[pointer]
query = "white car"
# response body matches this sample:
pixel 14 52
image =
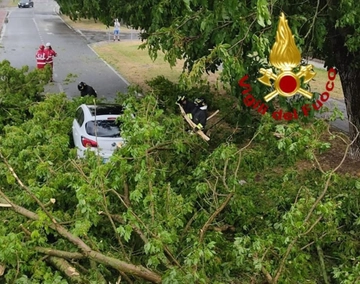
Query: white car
pixel 95 128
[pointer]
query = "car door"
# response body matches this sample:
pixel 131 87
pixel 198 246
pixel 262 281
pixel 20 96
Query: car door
pixel 76 127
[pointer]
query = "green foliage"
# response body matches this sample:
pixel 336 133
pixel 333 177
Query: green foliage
pixel 229 111
pixel 236 37
pixel 19 90
pixel 168 92
pixel 194 30
pixel 168 202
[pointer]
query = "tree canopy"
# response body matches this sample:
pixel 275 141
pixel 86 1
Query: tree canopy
pixel 168 208
pixel 256 206
pixel 239 35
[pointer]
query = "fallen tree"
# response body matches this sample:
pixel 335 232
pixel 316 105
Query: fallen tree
pixel 86 250
pixel 169 208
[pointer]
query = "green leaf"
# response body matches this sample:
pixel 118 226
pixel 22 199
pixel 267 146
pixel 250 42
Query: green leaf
pixel 357 184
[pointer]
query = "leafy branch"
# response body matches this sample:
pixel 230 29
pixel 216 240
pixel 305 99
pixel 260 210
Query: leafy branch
pixel 119 265
pixel 310 213
pixel 140 233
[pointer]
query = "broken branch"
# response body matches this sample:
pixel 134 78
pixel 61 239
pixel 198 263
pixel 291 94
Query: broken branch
pixel 28 191
pixel 60 253
pixel 213 216
pixel 136 270
pixel 65 267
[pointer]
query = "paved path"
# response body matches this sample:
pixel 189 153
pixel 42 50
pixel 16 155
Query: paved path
pixel 76 61
pixel 94 36
pixel 3 14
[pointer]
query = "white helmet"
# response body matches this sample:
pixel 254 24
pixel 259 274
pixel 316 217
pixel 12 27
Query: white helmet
pixel 48 44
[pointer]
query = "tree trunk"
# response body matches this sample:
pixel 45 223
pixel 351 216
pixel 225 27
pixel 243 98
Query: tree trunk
pixel 345 61
pixel 350 82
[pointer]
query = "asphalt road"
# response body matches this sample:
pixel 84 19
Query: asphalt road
pixel 29 27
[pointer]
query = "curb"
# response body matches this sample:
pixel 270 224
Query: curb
pixel 90 46
pixel 59 15
pixel 112 68
pixel 315 60
pixel 138 95
pixel 109 32
pixel 80 33
pixel 3 23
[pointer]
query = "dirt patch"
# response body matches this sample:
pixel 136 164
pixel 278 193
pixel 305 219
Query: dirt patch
pixel 330 159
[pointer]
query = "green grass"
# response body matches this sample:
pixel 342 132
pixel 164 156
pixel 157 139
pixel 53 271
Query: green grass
pixel 12 3
pixel 135 65
pixel 320 80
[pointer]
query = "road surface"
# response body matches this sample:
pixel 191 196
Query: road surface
pixel 29 27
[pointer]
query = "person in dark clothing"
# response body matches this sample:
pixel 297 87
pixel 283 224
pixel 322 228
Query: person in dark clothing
pixel 86 90
pixel 187 105
pixel 199 115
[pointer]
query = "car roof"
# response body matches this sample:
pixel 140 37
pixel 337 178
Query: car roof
pixel 105 109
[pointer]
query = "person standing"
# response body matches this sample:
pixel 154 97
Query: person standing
pixel 40 57
pixel 50 54
pixel 116 30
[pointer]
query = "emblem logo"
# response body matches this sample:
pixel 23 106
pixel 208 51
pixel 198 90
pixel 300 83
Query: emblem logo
pixel 285 56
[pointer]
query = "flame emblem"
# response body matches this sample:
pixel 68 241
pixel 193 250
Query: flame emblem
pixel 285 56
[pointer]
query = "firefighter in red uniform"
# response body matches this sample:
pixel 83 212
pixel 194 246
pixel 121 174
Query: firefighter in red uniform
pixel 41 57
pixel 50 54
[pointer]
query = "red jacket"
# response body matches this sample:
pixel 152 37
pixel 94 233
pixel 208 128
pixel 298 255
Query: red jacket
pixel 40 58
pixel 50 54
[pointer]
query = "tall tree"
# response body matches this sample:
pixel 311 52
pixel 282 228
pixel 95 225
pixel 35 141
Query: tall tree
pixel 207 33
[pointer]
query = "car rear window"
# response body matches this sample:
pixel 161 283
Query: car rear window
pixel 103 128
pixel 106 109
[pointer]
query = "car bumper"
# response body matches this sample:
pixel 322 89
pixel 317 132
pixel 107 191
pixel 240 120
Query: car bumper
pixel 105 155
pixel 24 6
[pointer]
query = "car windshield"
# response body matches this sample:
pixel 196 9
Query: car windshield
pixel 103 128
pixel 24 1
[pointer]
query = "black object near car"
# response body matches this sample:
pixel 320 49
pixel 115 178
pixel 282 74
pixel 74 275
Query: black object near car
pixel 26 4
